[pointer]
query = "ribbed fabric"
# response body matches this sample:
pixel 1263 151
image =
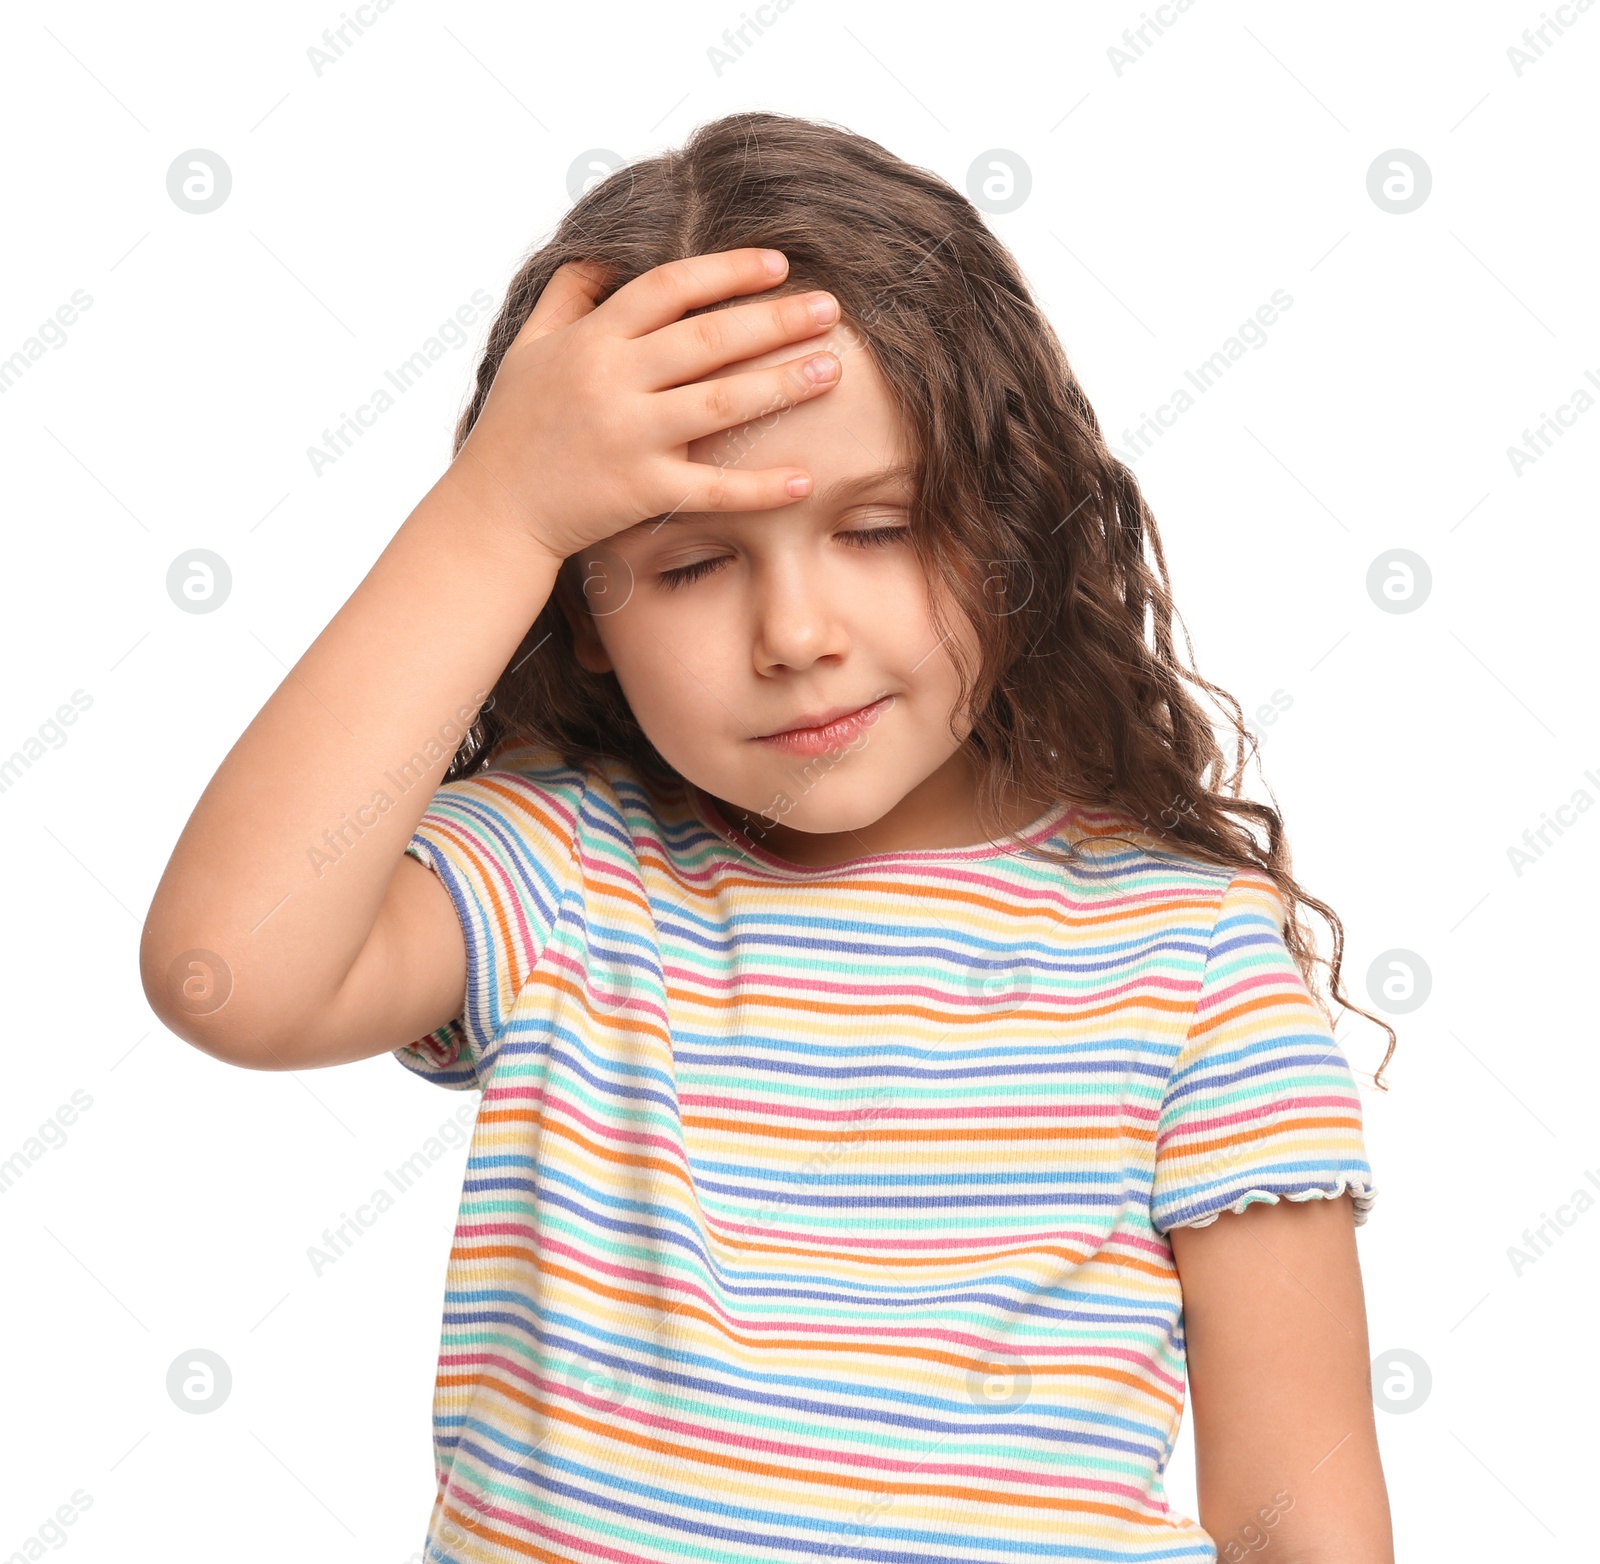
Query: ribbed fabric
pixel 817 1214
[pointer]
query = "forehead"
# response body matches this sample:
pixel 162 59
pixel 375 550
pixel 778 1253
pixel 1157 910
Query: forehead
pixel 893 484
pixel 850 432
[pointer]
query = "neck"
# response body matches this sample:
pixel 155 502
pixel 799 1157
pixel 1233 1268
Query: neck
pixel 941 811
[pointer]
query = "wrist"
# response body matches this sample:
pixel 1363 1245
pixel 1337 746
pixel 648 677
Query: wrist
pixel 471 487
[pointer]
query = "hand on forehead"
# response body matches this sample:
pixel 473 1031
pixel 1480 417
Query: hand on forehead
pixel 842 339
pixel 856 425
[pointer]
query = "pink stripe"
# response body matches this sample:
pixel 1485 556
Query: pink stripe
pixel 817 1455
pixel 1038 1352
pixel 753 1106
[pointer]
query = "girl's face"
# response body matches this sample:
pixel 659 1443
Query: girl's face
pixel 726 628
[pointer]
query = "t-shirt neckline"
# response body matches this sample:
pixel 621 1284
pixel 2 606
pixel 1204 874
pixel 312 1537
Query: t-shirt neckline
pixel 730 836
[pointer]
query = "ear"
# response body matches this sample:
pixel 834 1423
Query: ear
pixel 587 646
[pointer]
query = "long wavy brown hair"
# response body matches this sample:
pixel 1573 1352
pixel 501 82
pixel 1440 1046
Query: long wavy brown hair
pixel 1039 533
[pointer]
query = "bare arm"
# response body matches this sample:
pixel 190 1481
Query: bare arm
pixel 1286 1449
pixel 286 861
pixel 289 929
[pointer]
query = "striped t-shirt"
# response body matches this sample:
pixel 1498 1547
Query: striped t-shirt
pixel 817 1215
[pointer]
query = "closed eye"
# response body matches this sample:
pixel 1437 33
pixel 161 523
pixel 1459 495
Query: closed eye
pixel 858 537
pixel 865 537
pixel 684 574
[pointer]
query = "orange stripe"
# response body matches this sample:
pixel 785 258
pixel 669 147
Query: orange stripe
pixel 518 803
pixel 638 1024
pixel 788 1133
pixel 671 1169
pixel 748 1128
pixel 899 1350
pixel 1203 901
pixel 1290 997
pixel 1012 1251
pixel 1056 1015
pixel 667 1167
pixel 852 1008
pixel 1192 1148
pixel 831 1479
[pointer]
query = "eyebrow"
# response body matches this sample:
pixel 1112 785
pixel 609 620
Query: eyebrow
pixel 896 479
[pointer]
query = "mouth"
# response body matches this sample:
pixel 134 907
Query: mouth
pixel 818 732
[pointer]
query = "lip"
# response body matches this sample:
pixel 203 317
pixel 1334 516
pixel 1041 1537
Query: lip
pixel 819 732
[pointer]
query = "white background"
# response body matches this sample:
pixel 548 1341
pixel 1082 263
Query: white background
pixel 1167 203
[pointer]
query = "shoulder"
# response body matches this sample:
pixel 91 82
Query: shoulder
pixel 539 764
pixel 523 789
pixel 1147 872
pixel 608 803
pixel 1198 921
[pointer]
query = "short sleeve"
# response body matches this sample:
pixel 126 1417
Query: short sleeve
pixel 1261 1104
pixel 504 844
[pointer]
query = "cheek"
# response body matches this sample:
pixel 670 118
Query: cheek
pixel 958 646
pixel 669 661
pixel 888 600
pixel 910 613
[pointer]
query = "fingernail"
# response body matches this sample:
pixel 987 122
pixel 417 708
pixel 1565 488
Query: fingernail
pixel 823 367
pixel 775 262
pixel 798 487
pixel 824 309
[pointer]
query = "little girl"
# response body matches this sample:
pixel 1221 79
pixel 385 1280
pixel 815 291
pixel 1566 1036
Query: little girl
pixel 898 1058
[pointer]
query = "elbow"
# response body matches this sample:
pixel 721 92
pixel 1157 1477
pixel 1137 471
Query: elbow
pixel 193 995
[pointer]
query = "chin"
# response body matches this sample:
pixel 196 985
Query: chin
pixel 825 805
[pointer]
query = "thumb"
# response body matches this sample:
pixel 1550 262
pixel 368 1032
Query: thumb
pixel 567 297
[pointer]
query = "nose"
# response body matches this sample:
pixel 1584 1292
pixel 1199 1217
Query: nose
pixel 799 616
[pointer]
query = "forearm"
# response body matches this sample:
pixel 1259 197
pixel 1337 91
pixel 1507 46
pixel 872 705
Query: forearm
pixel 285 860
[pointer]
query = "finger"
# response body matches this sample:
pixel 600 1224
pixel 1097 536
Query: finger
pixel 662 294
pixel 568 296
pixel 709 407
pixel 703 487
pixel 689 350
